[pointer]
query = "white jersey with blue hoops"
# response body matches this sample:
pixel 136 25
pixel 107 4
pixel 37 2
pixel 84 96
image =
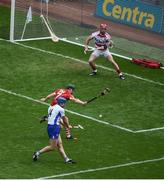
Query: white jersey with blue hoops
pixel 54 114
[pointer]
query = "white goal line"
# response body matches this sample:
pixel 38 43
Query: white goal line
pixel 78 44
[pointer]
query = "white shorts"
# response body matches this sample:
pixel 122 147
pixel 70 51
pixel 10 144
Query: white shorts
pixel 104 53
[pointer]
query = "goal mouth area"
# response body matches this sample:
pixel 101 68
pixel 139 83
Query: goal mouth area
pixel 29 20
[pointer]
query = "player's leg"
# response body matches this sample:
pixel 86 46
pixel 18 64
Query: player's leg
pixel 62 152
pixel 109 57
pixel 51 147
pixel 53 133
pixel 67 130
pixel 91 62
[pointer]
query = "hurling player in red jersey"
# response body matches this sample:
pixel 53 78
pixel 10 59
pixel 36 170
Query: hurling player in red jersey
pixel 66 93
pixel 102 42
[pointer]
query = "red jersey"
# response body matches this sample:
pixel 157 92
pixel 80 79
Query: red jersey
pixel 65 93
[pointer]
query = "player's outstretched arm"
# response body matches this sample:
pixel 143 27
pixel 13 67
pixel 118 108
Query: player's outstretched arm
pixel 78 101
pixel 47 97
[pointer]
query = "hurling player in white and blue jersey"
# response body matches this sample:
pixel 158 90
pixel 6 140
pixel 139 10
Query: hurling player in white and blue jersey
pixel 102 42
pixel 56 113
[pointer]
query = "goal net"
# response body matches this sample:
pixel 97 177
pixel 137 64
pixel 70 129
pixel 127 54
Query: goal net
pixel 40 19
pixel 29 20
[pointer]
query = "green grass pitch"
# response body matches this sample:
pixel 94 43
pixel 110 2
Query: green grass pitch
pixel 128 145
pixel 133 104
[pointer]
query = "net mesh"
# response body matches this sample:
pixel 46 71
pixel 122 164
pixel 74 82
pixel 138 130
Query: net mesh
pixel 69 19
pixel 35 28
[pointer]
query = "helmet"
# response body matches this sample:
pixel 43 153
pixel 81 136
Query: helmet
pixel 61 100
pixel 71 86
pixel 103 26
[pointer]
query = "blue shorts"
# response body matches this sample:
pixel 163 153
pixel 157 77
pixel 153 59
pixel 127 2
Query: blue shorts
pixel 53 131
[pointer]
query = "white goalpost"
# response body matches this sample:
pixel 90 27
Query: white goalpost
pixel 46 19
pixel 50 29
pixel 30 20
pixel 12 20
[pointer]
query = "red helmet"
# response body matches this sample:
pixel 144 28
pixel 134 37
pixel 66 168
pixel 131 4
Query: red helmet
pixel 103 26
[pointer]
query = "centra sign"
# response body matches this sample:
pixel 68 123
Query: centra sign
pixel 131 12
pixel 134 15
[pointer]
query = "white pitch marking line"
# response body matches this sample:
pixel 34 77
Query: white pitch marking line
pixel 72 112
pixel 78 60
pixel 104 168
pixel 148 130
pixel 82 115
pixel 102 122
pixel 85 116
pixel 103 67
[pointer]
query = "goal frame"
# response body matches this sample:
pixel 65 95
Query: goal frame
pixel 12 26
pixel 12 18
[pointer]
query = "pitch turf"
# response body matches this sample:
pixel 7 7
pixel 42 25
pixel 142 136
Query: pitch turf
pixel 117 149
pixel 133 105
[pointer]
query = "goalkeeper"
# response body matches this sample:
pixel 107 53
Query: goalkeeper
pixel 102 41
